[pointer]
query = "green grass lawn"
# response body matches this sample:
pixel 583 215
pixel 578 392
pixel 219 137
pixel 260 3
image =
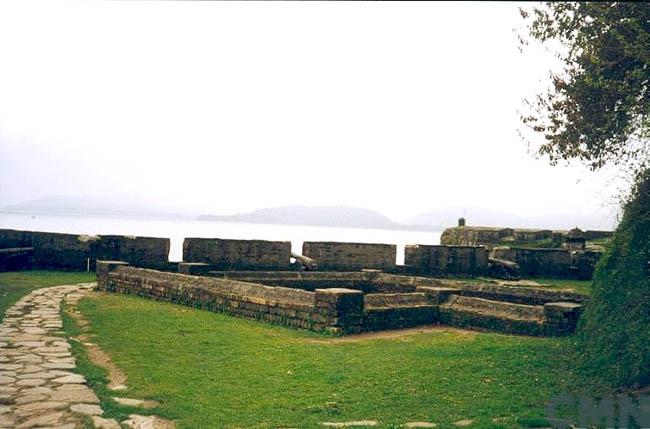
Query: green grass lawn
pixel 578 286
pixel 212 370
pixel 14 285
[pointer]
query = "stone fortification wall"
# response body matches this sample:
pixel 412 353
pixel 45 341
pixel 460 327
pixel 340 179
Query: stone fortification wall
pixel 79 252
pixel 336 310
pixel 441 260
pixel 474 236
pixel 350 256
pixel 61 251
pixel 596 235
pixel 494 236
pixel 520 310
pixel 147 252
pixel 538 262
pixel 238 254
pixel 13 238
pixel 490 236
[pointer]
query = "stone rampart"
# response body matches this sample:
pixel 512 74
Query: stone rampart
pixel 442 260
pixel 336 310
pixel 473 236
pixel 238 254
pixel 350 256
pixel 537 262
pixel 79 252
pixel 146 252
pixel 521 310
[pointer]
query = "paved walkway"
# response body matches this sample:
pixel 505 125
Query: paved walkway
pixel 38 383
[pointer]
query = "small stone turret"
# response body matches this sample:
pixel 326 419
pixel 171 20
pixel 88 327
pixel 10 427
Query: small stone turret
pixel 575 240
pixel 461 221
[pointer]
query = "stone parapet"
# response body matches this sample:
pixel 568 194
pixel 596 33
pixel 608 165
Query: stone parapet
pixel 350 256
pixel 446 260
pixel 238 254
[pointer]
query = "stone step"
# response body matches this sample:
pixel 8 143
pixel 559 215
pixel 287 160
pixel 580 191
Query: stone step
pixel 485 314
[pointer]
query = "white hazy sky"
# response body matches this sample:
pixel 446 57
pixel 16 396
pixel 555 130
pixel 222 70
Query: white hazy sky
pixel 227 107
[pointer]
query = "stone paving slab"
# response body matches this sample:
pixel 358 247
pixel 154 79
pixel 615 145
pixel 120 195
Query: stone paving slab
pixel 39 386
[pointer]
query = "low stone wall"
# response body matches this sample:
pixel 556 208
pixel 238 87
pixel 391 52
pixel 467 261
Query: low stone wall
pixel 537 262
pixel 367 282
pixel 336 310
pixel 529 311
pixel 386 285
pixel 583 263
pixel 442 260
pixel 238 254
pixel 516 294
pixel 79 252
pixel 350 256
pixel 596 235
pixel 15 258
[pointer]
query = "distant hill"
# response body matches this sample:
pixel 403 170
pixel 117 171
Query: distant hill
pixel 476 216
pixel 83 205
pixel 335 216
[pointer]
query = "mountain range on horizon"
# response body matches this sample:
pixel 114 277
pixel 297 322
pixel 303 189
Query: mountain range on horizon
pixel 333 216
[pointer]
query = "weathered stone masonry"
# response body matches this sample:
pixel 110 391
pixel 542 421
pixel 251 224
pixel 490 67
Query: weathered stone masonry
pixel 337 309
pixel 79 252
pixel 238 254
pixel 395 301
pixel 440 260
pixel 350 256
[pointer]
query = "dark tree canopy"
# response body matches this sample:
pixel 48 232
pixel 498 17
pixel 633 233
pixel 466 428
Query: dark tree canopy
pixel 597 109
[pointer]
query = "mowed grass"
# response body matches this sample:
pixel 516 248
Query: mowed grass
pixel 14 285
pixel 211 370
pixel 579 286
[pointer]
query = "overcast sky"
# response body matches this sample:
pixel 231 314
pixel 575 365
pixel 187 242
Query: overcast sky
pixel 230 106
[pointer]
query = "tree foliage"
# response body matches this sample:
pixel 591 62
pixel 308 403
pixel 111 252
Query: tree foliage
pixel 598 106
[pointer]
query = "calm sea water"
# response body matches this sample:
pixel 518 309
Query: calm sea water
pixel 176 231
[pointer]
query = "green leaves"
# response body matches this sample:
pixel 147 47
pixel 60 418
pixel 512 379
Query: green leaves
pixel 597 109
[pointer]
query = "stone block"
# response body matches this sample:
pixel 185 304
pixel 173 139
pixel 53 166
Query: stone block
pixel 437 295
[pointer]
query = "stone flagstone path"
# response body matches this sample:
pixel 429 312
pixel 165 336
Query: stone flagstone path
pixel 38 383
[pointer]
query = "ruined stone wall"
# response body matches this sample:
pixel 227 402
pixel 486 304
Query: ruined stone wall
pixel 13 238
pixel 531 234
pixel 79 252
pixel 490 236
pixel 350 256
pixel 537 262
pixel 442 260
pixel 595 235
pixel 345 311
pixel 238 254
pixel 474 236
pixel 311 280
pixel 60 251
pixel 147 252
pixel 336 310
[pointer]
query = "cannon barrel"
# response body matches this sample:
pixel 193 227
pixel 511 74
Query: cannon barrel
pixel 308 264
